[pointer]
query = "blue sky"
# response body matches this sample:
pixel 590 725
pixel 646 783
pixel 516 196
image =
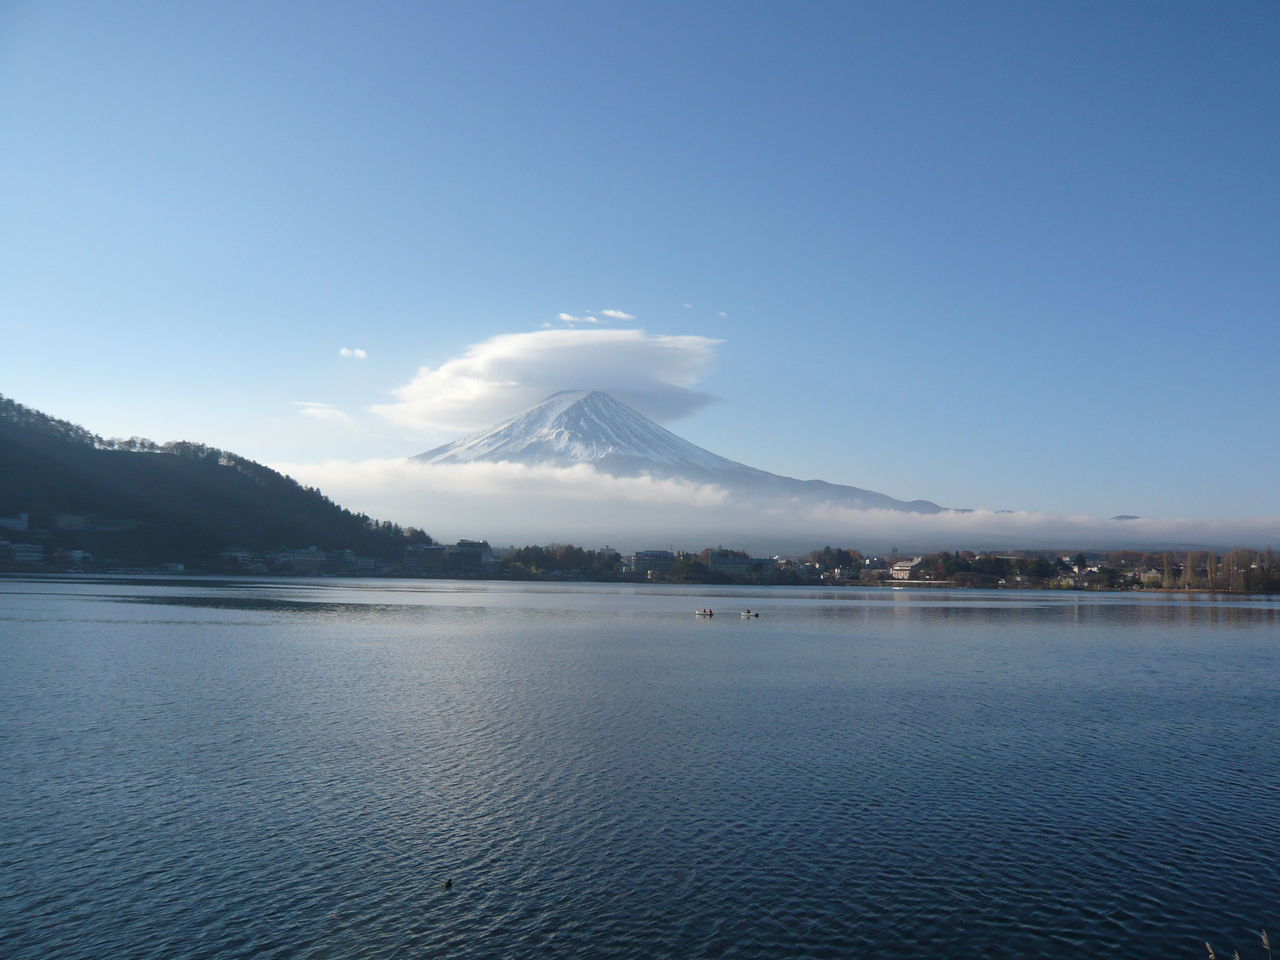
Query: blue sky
pixel 1016 255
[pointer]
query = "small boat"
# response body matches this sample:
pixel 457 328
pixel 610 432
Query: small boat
pixel 747 614
pixel 704 613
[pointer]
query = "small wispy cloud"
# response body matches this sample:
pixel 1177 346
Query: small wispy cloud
pixel 722 315
pixel 323 411
pixel 687 306
pixel 570 319
pixel 617 315
pixel 353 352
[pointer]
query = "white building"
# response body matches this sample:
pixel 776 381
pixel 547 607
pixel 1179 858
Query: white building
pixel 905 569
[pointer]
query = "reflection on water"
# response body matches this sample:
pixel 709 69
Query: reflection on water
pixel 241 768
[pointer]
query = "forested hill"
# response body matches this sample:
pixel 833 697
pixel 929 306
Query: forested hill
pixel 149 502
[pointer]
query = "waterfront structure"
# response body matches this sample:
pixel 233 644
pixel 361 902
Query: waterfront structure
pixel 904 569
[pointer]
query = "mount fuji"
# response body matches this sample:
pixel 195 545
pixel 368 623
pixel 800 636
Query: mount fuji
pixel 579 426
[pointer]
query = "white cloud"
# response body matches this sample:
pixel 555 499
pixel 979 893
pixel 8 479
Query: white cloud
pixel 511 503
pixel 514 503
pixel 616 315
pixel 323 411
pixel 570 319
pixel 506 374
pixel 501 480
pixel 355 352
pixel 687 306
pixel 722 315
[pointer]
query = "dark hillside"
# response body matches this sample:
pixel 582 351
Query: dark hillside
pixel 142 501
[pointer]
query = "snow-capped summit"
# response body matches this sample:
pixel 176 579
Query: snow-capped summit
pixel 581 426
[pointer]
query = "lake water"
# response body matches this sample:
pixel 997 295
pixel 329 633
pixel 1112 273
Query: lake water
pixel 293 768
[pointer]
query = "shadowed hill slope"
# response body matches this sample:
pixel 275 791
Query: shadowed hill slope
pixel 149 501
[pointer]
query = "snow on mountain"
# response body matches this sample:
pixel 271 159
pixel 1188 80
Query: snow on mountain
pixel 579 426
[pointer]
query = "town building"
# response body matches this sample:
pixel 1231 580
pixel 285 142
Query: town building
pixel 653 563
pixel 23 554
pixel 723 562
pixel 905 569
pixel 469 558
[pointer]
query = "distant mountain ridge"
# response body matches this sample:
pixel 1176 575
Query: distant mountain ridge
pixel 592 427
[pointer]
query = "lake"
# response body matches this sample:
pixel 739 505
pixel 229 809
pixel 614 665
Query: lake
pixel 195 768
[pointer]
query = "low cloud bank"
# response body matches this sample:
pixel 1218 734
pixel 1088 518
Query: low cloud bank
pixel 511 503
pixel 507 374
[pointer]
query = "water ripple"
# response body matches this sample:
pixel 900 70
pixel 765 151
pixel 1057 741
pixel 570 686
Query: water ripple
pixel 276 770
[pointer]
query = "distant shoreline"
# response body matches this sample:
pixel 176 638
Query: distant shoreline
pixel 203 575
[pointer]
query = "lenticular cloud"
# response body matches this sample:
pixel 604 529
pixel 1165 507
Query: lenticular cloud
pixel 509 373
